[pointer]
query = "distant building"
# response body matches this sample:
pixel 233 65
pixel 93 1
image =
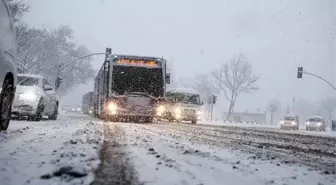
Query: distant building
pixel 247 117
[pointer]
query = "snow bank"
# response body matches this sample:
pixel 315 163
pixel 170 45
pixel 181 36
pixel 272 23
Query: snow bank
pixel 59 152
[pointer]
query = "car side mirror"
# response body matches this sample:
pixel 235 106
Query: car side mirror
pixel 48 88
pixel 168 78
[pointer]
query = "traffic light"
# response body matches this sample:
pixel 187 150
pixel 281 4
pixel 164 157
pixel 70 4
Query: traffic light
pixel 300 70
pixel 58 82
pixel 108 52
pixel 214 99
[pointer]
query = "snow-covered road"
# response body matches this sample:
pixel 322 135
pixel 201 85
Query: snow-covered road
pixel 50 152
pixel 67 152
pixel 193 154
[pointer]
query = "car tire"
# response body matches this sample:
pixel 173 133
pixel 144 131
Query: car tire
pixel 6 101
pixel 55 113
pixel 149 120
pixel 39 112
pixel 193 121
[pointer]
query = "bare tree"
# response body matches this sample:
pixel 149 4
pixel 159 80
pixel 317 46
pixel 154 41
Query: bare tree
pixel 329 106
pixel 272 107
pixel 235 78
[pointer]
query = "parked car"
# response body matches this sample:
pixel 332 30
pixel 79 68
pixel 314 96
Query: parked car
pixel 8 69
pixel 290 122
pixel 316 123
pixel 34 98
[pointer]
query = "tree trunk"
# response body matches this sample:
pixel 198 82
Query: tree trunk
pixel 230 111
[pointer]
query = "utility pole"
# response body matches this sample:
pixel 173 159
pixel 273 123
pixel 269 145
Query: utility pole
pixel 293 110
pixel 213 101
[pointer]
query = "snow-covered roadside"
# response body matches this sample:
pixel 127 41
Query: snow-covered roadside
pixel 166 157
pixel 61 152
pixel 276 128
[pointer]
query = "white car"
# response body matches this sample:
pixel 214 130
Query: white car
pixel 34 98
pixel 316 123
pixel 8 67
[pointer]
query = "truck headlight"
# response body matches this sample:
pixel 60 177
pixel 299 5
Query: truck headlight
pixel 30 96
pixel 293 123
pixel 319 124
pixel 199 113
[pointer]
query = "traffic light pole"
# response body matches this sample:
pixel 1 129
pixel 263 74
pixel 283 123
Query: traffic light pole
pixel 60 67
pixel 304 72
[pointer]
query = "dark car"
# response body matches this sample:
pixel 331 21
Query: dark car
pixel 8 69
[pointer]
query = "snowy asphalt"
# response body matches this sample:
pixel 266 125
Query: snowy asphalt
pixel 67 151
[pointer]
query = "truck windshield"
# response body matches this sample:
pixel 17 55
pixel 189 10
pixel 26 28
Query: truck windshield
pixel 185 98
pixel 138 79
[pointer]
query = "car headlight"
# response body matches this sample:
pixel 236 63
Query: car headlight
pixel 319 124
pixel 307 122
pixel 199 112
pixel 160 109
pixel 112 106
pixel 282 122
pixel 178 110
pixel 30 96
pixel 293 123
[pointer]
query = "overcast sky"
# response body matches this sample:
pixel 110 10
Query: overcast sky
pixel 276 36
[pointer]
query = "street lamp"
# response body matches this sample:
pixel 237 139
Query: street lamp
pixel 59 79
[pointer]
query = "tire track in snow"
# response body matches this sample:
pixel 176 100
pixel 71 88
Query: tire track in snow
pixel 115 166
pixel 248 141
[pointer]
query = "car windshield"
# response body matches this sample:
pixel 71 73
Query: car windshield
pixel 26 81
pixel 288 118
pixel 315 119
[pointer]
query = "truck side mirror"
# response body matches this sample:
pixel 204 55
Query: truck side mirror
pixel 168 78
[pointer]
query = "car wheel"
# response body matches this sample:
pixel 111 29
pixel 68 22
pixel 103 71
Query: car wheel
pixel 55 113
pixel 149 120
pixel 39 112
pixel 193 121
pixel 6 100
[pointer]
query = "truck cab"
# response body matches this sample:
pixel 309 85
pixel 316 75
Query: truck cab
pixel 182 105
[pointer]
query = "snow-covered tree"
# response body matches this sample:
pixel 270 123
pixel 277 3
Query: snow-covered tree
pixel 43 51
pixel 18 8
pixel 235 78
pixel 273 106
